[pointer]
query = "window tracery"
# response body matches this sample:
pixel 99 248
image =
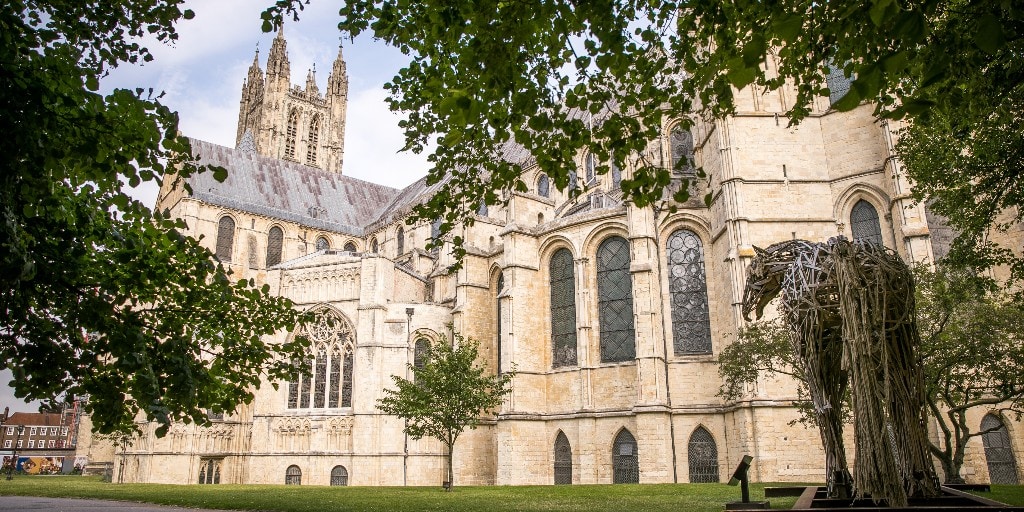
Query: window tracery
pixel 563 460
pixel 687 282
pixel 322 244
pixel 702 454
pixel 625 462
pixel 327 378
pixel 681 143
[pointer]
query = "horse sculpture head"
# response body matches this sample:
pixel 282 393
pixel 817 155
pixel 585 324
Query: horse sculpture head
pixel 763 283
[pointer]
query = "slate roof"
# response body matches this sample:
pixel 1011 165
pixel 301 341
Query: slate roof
pixel 35 419
pixel 288 190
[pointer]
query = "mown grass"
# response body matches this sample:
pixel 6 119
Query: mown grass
pixel 1009 494
pixel 611 498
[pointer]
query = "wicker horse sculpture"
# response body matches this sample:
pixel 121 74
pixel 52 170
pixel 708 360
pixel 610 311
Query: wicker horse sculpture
pixel 850 309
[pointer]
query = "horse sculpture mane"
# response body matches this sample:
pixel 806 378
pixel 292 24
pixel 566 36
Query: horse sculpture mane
pixel 850 308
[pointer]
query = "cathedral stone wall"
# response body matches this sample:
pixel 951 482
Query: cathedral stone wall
pixel 768 182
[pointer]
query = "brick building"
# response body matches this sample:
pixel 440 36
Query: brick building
pixel 44 442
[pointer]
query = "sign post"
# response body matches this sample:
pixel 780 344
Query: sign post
pixel 740 477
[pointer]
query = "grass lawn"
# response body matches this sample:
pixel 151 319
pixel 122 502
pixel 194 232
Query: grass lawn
pixel 643 498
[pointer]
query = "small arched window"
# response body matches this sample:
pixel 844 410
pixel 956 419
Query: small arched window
pixel 543 186
pixel 400 240
pixel 290 134
pixel 687 283
pixel 573 181
pixel 625 462
pixel 313 141
pixel 702 453
pixel 615 301
pixel 339 476
pixel 589 166
pixel 420 353
pixel 209 471
pixel 275 241
pixel 563 460
pixel 293 475
pixel 864 223
pixel 350 247
pixel 1002 465
pixel 322 244
pixel 373 245
pixel 563 309
pixel 681 142
pixel 616 176
pixel 481 209
pixel 225 238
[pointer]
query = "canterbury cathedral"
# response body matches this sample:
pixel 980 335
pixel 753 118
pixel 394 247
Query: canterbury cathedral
pixel 613 316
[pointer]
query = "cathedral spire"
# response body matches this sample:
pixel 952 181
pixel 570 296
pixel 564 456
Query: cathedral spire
pixel 278 70
pixel 311 89
pixel 337 81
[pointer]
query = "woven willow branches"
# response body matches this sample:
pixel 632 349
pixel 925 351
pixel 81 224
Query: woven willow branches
pixel 850 306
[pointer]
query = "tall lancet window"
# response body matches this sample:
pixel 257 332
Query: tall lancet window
pixel 563 309
pixel 687 283
pixel 290 134
pixel 313 141
pixel 275 240
pixel 615 301
pixel 225 238
pixel 864 223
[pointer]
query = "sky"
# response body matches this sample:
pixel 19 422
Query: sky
pixel 201 76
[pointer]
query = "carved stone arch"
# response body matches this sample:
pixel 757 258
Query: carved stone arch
pixel 598 235
pixel 684 220
pixel 849 197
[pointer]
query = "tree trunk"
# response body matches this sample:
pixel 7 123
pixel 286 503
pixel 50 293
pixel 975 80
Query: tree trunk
pixel 451 475
pixel 951 470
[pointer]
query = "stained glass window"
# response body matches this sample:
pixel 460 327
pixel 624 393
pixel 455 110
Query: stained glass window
pixel 322 244
pixel 702 453
pixel 293 476
pixel 400 240
pixel 681 142
pixel 346 380
pixel 563 460
pixel 687 283
pixel 307 380
pixel 1002 465
pixel 335 376
pixel 615 301
pixel 563 309
pixel 838 83
pixel 275 240
pixel 225 238
pixel 625 462
pixel 339 476
pixel 350 247
pixel 589 167
pixel 864 223
pixel 313 141
pixel 293 393
pixel 321 378
pixel 543 186
pixel 290 133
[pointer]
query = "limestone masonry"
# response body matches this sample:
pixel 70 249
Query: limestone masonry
pixel 613 315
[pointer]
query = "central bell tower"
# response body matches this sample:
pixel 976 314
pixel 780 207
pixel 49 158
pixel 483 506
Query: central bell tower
pixel 288 121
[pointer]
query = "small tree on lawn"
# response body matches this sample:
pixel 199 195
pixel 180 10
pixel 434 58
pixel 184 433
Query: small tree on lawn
pixel 971 349
pixel 448 393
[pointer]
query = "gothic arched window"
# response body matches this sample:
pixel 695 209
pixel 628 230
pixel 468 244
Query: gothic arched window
pixel 543 186
pixel 687 284
pixel 573 181
pixel 497 315
pixel 326 380
pixel 290 134
pixel 616 176
pixel 225 238
pixel 275 241
pixel 400 240
pixel 293 476
pixel 838 83
pixel 681 143
pixel 615 301
pixel 373 245
pixel 563 309
pixel 481 209
pixel 864 223
pixel 1002 465
pixel 420 353
pixel 339 476
pixel 702 453
pixel 589 167
pixel 563 460
pixel 313 140
pixel 625 462
pixel 349 247
pixel 322 244
pixel 209 471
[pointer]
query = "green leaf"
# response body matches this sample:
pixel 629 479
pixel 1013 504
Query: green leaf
pixel 788 28
pixel 989 34
pixel 880 11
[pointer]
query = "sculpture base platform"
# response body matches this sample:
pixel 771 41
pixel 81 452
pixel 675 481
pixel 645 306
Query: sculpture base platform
pixel 750 505
pixel 815 498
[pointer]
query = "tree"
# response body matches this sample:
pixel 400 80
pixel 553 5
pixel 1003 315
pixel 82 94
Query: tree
pixel 971 350
pixel 557 77
pixel 448 393
pixel 102 297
